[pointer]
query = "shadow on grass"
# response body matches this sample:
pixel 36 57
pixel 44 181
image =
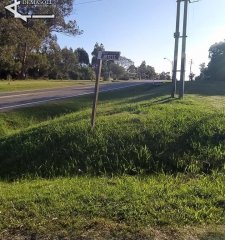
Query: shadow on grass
pixel 51 110
pixel 206 88
pixel 149 93
pixel 133 93
pixel 165 100
pixel 55 109
pixel 25 117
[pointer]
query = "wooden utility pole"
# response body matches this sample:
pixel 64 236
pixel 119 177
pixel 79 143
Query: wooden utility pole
pixel 95 101
pixel 183 55
pixel 176 36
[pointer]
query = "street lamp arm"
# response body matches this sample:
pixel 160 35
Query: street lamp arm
pixel 169 60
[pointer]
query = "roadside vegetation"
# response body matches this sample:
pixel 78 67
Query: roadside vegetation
pixel 138 131
pixel 153 167
pixel 24 85
pixel 150 207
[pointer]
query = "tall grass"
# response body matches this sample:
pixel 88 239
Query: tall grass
pixel 133 136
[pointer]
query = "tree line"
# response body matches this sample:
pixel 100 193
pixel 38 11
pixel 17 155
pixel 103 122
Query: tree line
pixel 125 69
pixel 215 70
pixel 30 49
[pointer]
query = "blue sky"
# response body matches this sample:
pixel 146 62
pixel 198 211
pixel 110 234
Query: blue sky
pixel 143 29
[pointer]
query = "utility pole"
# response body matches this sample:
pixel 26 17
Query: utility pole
pixel 176 36
pixel 183 55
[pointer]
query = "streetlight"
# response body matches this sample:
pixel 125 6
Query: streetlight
pixel 171 65
pixel 174 81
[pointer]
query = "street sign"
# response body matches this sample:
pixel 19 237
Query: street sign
pixel 102 55
pixel 109 55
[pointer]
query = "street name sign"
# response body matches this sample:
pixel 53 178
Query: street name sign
pixel 109 55
pixel 102 56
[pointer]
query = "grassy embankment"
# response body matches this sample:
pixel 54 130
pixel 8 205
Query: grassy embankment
pixel 140 132
pixel 19 85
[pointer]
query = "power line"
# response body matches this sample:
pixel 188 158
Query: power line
pixel 81 3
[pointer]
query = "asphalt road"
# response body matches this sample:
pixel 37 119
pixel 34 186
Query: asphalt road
pixel 21 99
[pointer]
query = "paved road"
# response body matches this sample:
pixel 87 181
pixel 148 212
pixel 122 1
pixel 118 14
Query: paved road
pixel 20 99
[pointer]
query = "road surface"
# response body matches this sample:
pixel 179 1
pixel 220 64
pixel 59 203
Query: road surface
pixel 21 99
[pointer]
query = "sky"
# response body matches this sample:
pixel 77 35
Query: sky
pixel 143 29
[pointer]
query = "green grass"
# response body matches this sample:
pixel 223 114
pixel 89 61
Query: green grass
pixel 152 169
pixel 19 85
pixel 113 208
pixel 139 131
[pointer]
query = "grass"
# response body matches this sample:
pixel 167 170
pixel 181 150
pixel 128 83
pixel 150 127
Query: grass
pixel 19 85
pixel 112 208
pixel 152 169
pixel 139 131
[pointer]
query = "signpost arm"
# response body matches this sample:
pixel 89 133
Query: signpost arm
pixel 94 108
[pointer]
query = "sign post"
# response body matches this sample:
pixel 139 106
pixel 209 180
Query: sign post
pixel 94 108
pixel 101 56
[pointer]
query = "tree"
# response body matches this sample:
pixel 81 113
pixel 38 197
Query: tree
pixel 142 70
pixel 133 72
pixel 54 55
pixel 116 70
pixel 124 62
pixel 202 67
pixel 22 39
pixel 146 71
pixel 86 73
pixel 82 55
pixel 39 65
pixel 164 76
pixel 150 72
pixel 94 62
pixel 191 76
pixel 216 69
pixel 203 72
pixel 97 49
pixel 69 64
pixel 63 63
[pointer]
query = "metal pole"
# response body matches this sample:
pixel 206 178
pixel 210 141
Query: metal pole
pixel 176 48
pixel 95 102
pixel 172 70
pixel 183 56
pixel 171 65
pixel 190 70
